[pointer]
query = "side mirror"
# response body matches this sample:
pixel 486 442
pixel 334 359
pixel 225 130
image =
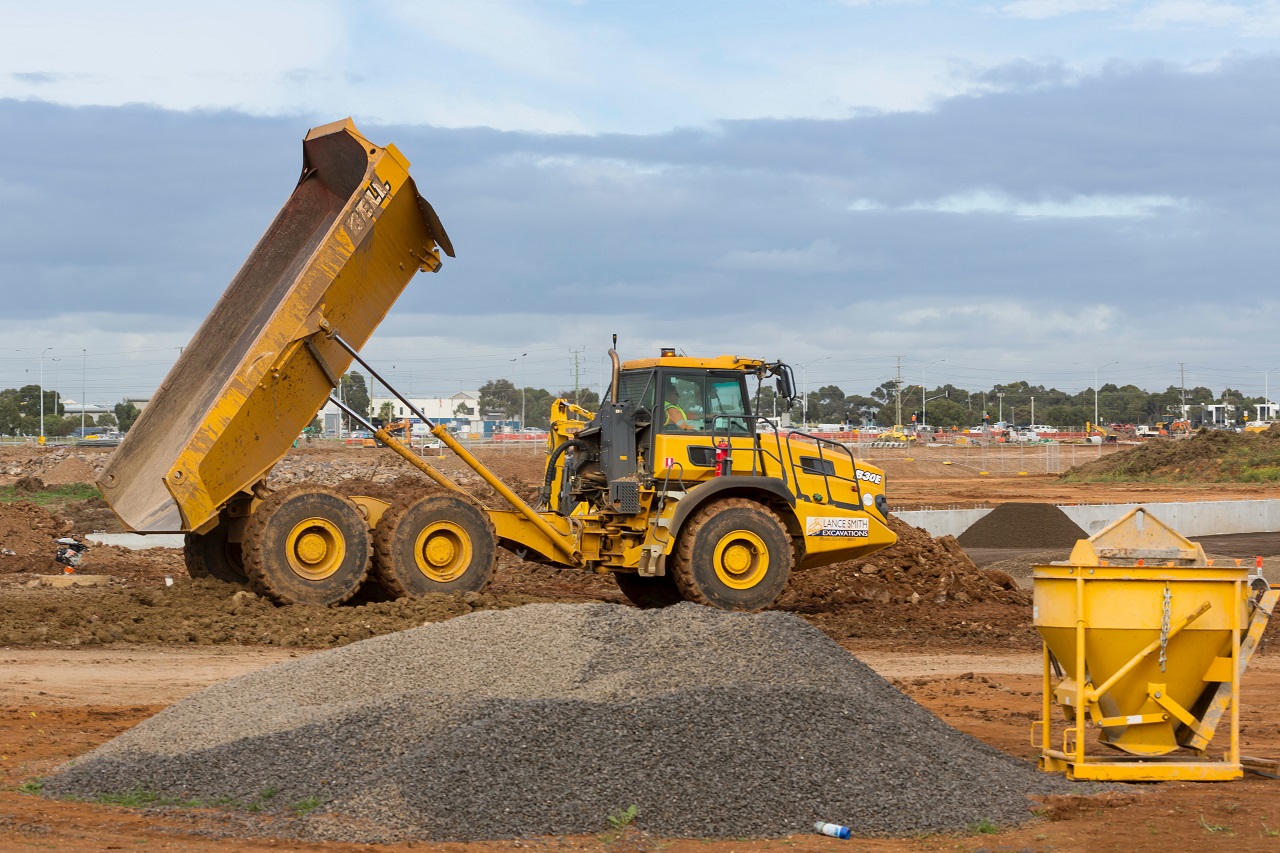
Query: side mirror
pixel 785 385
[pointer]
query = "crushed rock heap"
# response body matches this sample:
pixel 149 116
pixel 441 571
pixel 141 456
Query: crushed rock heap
pixel 546 719
pixel 1023 525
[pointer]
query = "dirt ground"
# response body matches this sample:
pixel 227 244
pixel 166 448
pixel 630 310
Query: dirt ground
pixel 972 659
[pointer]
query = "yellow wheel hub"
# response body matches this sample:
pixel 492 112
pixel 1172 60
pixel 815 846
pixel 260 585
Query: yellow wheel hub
pixel 443 551
pixel 315 548
pixel 741 559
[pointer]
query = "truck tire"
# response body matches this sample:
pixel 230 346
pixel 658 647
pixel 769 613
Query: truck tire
pixel 648 592
pixel 434 544
pixel 307 545
pixel 733 555
pixel 210 555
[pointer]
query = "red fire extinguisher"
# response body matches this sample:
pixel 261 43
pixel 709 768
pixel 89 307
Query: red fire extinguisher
pixel 722 458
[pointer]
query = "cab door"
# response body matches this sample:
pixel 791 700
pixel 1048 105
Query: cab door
pixel 698 410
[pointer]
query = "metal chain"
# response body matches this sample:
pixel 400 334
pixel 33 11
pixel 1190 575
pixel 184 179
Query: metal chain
pixel 1164 625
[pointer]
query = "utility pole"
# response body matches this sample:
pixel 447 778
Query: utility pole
pixel 577 397
pixel 1182 388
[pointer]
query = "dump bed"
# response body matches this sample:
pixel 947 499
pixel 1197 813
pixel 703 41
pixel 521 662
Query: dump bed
pixel 337 256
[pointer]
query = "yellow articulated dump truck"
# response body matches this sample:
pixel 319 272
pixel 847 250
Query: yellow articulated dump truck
pixel 674 486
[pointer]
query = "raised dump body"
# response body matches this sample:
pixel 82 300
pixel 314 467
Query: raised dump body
pixel 261 365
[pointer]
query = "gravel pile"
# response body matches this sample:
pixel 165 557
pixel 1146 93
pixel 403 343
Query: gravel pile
pixel 546 719
pixel 1023 525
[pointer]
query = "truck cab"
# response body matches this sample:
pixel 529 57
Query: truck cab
pixel 680 435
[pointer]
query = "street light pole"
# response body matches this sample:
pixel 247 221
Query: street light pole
pixel 84 363
pixel 1000 394
pixel 924 392
pixel 42 352
pixel 804 400
pixel 1095 389
pixel 520 357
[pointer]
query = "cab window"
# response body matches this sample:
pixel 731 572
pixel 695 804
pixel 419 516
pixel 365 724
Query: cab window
pixel 701 403
pixel 635 386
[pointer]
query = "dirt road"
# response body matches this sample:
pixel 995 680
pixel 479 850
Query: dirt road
pixel 95 694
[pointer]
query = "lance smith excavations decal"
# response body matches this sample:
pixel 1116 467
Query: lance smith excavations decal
pixel 854 527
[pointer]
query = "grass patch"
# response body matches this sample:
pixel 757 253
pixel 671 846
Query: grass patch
pixel 138 799
pixel 51 495
pixel 31 786
pixel 264 799
pixel 305 806
pixel 984 827
pixel 624 817
pixel 1214 828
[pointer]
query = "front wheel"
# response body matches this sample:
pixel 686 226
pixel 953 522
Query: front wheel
pixel 434 544
pixel 307 545
pixel 734 555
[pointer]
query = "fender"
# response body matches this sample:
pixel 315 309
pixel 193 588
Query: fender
pixel 711 489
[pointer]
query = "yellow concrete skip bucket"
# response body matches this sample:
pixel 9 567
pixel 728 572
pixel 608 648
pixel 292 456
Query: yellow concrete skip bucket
pixel 337 256
pixel 1144 645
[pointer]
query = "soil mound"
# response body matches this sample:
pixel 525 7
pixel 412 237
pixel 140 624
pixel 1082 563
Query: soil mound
pixel 544 720
pixel 27 532
pixel 1210 455
pixel 28 485
pixel 69 470
pixel 208 612
pixel 918 568
pixel 1023 525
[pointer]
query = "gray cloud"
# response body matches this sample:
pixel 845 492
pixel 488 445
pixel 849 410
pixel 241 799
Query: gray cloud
pixel 1128 211
pixel 37 77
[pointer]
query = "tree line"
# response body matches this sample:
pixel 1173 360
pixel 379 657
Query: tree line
pixel 20 414
pixel 946 405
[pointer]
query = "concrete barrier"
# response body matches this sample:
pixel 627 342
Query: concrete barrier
pixel 1190 518
pixel 942 522
pixel 138 542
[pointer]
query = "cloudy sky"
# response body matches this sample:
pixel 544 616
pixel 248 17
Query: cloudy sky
pixel 987 191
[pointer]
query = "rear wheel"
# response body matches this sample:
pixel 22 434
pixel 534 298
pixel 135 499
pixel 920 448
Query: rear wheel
pixel 734 555
pixel 307 545
pixel 434 544
pixel 210 555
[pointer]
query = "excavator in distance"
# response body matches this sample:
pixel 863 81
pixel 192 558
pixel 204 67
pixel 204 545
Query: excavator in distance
pixel 673 486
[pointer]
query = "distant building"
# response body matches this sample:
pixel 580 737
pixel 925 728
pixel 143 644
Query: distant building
pixel 71 407
pixel 460 411
pixel 1220 414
